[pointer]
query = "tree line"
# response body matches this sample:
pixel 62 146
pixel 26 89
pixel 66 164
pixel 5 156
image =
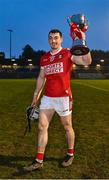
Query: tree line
pixel 29 53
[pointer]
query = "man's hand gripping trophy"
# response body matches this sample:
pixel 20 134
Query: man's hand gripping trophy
pixel 78 26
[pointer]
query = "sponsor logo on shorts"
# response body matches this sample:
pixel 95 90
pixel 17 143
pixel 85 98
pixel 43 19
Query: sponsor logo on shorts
pixel 65 110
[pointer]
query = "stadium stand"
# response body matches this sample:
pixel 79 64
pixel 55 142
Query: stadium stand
pixel 80 72
pixel 91 75
pixel 19 73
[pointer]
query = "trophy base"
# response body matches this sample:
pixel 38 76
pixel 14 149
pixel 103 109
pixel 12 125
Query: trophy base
pixel 79 50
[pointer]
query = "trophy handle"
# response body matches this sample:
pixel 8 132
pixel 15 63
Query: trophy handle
pixel 69 20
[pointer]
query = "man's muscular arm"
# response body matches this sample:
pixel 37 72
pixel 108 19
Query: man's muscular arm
pixel 82 60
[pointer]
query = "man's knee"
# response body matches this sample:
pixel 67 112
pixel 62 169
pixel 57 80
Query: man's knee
pixel 68 127
pixel 42 126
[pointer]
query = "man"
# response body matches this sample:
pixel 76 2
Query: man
pixel 55 70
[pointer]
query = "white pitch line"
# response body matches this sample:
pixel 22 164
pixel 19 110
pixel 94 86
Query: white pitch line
pixel 93 87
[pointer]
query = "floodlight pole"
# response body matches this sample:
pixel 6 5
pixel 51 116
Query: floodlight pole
pixel 10 47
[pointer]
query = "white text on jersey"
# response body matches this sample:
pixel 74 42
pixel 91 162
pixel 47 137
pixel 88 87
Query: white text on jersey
pixel 53 68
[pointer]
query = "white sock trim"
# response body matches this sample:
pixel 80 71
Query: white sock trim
pixel 38 160
pixel 70 154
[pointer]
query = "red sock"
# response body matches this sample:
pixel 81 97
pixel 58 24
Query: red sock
pixel 70 152
pixel 39 157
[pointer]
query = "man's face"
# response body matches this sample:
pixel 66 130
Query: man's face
pixel 55 40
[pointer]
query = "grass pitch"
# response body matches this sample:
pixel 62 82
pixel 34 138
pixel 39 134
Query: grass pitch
pixel 90 121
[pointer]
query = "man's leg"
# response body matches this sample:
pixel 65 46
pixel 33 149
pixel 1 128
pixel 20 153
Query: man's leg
pixel 70 136
pixel 44 120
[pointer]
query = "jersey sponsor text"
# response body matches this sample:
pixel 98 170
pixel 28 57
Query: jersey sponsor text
pixel 54 68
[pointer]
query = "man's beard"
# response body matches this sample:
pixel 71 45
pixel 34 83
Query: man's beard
pixel 55 48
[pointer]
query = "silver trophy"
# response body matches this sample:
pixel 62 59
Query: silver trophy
pixel 78 23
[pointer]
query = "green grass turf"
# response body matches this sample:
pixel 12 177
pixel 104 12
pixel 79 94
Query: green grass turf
pixel 90 121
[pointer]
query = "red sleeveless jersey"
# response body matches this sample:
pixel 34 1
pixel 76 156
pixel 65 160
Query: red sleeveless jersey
pixel 57 70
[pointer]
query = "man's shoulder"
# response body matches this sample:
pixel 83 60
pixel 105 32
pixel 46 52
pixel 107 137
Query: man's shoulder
pixel 66 50
pixel 46 54
pixel 44 58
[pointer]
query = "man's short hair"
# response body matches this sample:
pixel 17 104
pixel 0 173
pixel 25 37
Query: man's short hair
pixel 55 31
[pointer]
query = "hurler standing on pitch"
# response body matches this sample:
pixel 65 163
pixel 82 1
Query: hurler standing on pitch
pixel 55 71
